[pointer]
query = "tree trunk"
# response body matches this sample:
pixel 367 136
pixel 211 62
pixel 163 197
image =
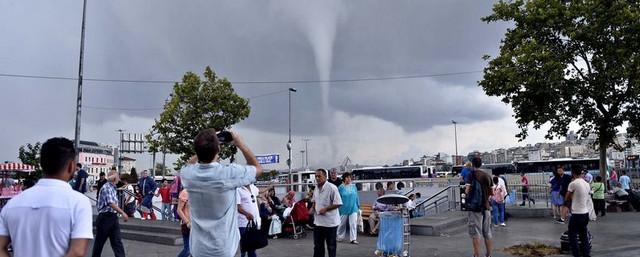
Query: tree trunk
pixel 603 161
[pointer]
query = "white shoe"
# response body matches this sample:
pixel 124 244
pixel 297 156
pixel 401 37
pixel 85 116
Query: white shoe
pixel 503 225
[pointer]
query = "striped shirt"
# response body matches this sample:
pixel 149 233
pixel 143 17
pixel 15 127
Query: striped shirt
pixel 107 196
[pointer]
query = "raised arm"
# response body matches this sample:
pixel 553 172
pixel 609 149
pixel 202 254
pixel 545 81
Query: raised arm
pixel 247 153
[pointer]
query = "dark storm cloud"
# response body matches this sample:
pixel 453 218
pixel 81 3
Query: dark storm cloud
pixel 244 41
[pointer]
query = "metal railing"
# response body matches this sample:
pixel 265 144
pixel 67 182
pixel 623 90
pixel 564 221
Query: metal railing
pixel 537 194
pixel 446 196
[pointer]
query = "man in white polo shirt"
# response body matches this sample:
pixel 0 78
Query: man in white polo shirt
pixel 326 198
pixel 49 219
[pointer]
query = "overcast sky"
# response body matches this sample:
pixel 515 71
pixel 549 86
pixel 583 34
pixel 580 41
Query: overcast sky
pixel 372 122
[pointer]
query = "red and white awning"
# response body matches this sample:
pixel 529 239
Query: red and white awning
pixel 16 167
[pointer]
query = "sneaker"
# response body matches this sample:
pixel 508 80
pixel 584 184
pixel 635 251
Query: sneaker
pixel 354 242
pixel 560 221
pixel 143 218
pixel 503 225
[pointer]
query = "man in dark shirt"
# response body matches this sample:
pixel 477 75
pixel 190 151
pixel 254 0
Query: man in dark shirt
pixel 562 180
pixel 480 222
pixel 81 179
pixel 334 179
pixel 101 183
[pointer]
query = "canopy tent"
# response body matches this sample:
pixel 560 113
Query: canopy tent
pixel 12 166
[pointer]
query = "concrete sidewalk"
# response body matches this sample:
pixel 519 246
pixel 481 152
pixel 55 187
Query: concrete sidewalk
pixel 615 235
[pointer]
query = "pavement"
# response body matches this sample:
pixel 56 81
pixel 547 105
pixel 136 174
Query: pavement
pixel 614 235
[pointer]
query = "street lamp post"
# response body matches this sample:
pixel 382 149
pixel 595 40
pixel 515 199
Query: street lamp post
pixel 455 135
pixel 79 98
pixel 306 151
pixel 289 143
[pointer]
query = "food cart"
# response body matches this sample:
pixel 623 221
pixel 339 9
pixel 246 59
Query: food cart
pixel 8 188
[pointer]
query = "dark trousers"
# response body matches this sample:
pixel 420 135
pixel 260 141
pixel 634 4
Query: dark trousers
pixel 578 228
pixel 599 206
pixel 107 226
pixel 322 235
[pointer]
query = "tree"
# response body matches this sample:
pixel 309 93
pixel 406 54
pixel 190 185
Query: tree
pixel 569 61
pixel 195 105
pixel 30 154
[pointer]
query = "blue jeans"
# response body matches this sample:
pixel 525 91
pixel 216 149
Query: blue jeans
pixel 497 212
pixel 251 253
pixel 166 211
pixel 185 250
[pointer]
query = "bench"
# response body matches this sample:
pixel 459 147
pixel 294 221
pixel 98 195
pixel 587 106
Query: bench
pixel 618 206
pixel 367 210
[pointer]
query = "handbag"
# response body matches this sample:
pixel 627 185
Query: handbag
pixel 276 226
pixel 592 212
pixel 252 238
pixel 360 222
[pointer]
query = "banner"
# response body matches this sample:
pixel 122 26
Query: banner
pixel 268 159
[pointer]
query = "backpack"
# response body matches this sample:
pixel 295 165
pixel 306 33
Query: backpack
pixel 475 200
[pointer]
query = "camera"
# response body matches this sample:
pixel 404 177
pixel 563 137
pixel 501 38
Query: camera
pixel 224 137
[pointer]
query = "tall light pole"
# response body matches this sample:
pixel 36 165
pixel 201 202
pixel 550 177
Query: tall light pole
pixel 302 158
pixel 306 150
pixel 119 160
pixel 79 99
pixel 455 135
pixel 289 143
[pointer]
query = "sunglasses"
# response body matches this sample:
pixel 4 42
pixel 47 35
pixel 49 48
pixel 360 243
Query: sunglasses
pixel 253 199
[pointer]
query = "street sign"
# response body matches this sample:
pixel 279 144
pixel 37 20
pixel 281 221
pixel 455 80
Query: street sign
pixel 268 159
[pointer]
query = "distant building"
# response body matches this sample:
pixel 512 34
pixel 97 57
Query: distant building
pixel 95 158
pixel 127 164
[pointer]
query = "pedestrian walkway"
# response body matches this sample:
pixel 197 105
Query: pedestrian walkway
pixel 615 235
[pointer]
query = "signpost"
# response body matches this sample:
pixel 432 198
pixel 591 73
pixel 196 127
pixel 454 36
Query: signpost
pixel 268 158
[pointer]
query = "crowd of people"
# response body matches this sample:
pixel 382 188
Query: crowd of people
pixel 242 214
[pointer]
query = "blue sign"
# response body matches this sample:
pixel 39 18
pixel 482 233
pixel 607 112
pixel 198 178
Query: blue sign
pixel 268 159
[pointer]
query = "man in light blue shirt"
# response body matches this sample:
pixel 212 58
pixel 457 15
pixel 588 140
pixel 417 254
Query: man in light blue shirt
pixel 625 181
pixel 212 195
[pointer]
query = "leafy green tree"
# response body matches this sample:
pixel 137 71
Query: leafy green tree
pixel 30 154
pixel 194 105
pixel 569 61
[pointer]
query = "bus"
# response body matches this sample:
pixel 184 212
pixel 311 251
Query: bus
pixel 549 166
pixel 399 172
pixel 494 168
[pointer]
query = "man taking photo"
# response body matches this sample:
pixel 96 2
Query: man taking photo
pixel 212 195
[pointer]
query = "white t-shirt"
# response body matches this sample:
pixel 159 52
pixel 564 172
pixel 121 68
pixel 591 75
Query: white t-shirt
pixel 42 221
pixel 131 196
pixel 249 202
pixel 580 196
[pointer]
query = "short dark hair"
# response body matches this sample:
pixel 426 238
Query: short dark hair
pixel 560 167
pixel 102 174
pixel 346 175
pixel 418 195
pixel 390 183
pixel 624 172
pixel 495 180
pixel 379 185
pixel 163 180
pixel 476 162
pixel 78 165
pixel 55 154
pixel 598 179
pixel 324 172
pixel 206 145
pixel 576 170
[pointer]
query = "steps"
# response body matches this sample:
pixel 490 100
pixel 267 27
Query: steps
pixel 157 232
pixel 443 224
